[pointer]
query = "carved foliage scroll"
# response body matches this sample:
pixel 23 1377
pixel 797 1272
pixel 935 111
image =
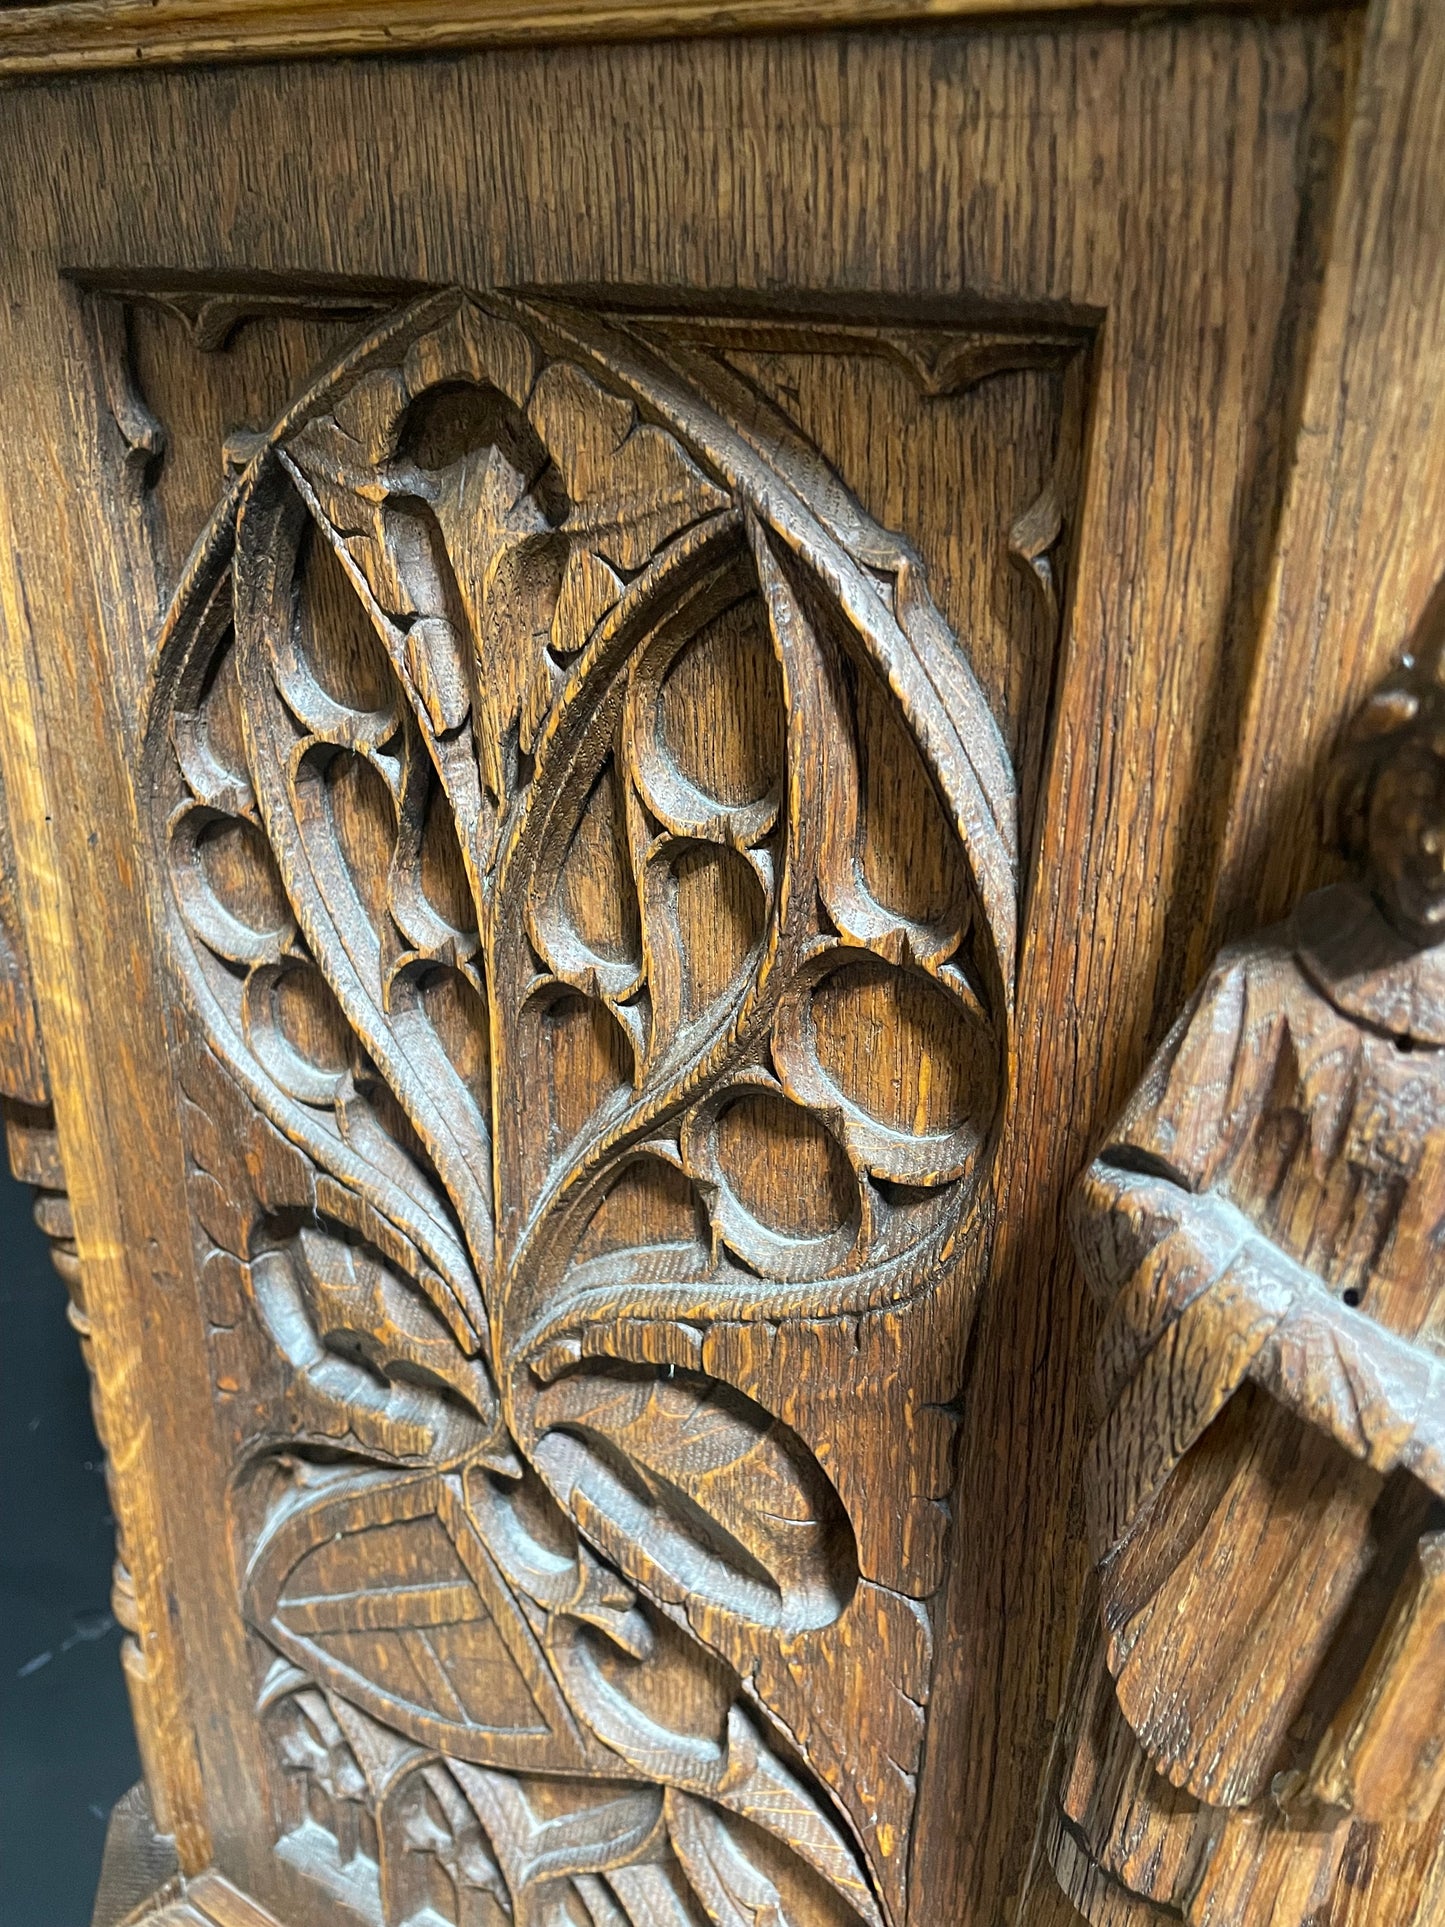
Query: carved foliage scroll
pixel 592 878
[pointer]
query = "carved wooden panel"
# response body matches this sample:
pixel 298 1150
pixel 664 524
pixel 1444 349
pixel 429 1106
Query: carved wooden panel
pixel 592 872
pixel 626 666
pixel 1255 1728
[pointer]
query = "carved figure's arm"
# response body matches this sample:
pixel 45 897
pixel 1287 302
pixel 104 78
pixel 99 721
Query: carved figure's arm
pixel 1232 1530
pixel 1198 1301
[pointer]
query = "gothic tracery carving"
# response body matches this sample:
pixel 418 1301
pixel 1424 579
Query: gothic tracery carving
pixel 533 747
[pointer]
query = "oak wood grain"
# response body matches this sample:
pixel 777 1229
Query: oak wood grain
pixel 78 36
pixel 1360 551
pixel 1019 311
pixel 1253 1727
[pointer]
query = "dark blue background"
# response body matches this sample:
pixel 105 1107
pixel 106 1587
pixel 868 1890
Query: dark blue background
pixel 67 1751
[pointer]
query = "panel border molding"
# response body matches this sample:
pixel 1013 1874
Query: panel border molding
pixel 86 36
pixel 86 611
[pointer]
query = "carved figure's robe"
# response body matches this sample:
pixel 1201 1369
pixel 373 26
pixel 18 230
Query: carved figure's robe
pixel 1266 1229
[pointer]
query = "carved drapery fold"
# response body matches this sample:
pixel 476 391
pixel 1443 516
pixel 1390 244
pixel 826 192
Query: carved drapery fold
pixel 1254 1731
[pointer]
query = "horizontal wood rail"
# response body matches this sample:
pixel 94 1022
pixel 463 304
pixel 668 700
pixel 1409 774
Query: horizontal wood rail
pixel 90 35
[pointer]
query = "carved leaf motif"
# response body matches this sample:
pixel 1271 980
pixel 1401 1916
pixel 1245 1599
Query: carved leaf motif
pixel 634 1855
pixel 373 1361
pixel 590 849
pixel 382 1587
pixel 631 488
pixel 696 1497
pixel 734 1891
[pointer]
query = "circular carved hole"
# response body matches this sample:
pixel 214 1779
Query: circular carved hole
pixel 310 1019
pixel 718 903
pixel 895 1046
pixel 722 707
pixel 364 822
pixel 341 646
pixel 241 872
pixel 783 1168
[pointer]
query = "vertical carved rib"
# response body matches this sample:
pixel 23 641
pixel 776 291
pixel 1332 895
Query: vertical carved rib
pixel 33 1149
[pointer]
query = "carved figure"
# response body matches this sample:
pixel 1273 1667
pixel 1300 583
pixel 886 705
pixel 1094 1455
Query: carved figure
pixel 593 885
pixel 1257 1733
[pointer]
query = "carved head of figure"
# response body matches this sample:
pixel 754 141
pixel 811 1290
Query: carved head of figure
pixel 1388 799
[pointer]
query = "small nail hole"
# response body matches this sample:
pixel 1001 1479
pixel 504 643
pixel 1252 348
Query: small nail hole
pixel 1352 1295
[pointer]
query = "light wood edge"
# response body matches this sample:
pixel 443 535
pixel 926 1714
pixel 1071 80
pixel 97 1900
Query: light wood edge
pixel 216 1900
pixel 209 1900
pixel 47 910
pixel 80 36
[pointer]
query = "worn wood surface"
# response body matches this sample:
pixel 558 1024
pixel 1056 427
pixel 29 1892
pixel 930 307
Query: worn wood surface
pixel 627 666
pixel 591 1093
pixel 77 36
pixel 1255 1726
pixel 1354 579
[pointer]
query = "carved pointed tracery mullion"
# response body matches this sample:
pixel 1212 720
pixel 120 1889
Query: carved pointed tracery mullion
pixel 564 613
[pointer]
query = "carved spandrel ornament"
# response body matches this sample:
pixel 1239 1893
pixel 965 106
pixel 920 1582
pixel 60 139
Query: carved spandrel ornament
pixel 1257 1728
pixel 581 1088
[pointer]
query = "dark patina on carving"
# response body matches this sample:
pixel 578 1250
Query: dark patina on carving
pixel 1260 1719
pixel 528 743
